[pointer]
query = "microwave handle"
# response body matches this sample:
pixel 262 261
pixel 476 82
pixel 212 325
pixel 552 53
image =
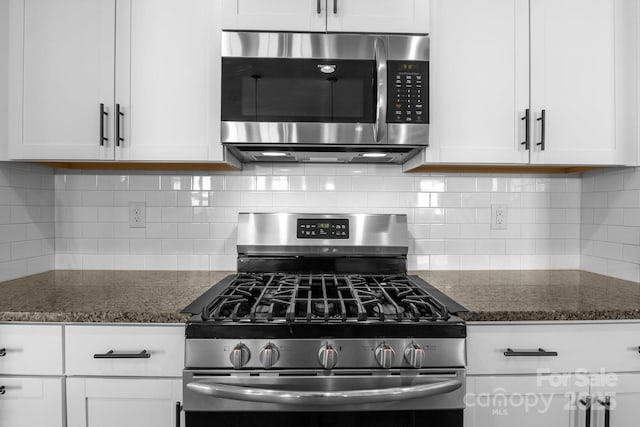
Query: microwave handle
pixel 381 98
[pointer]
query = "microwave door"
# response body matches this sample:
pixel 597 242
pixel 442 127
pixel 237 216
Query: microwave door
pixel 306 100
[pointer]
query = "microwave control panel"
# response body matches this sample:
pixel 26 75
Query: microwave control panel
pixel 408 93
pixel 323 229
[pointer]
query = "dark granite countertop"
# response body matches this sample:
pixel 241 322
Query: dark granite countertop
pixel 104 296
pixel 521 295
pixel 158 296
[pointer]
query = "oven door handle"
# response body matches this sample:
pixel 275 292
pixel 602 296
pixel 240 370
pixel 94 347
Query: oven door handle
pixel 380 52
pixel 322 398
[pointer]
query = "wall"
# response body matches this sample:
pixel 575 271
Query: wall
pixel 26 220
pixel 610 235
pixel 192 218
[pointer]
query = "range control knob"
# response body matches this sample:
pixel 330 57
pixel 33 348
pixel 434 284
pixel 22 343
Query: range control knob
pixel 414 355
pixel 239 356
pixel 327 356
pixel 384 355
pixel 269 356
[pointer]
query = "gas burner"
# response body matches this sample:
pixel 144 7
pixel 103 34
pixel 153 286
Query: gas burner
pixel 273 297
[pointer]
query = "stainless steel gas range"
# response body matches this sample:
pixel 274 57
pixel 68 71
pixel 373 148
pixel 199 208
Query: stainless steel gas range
pixel 322 326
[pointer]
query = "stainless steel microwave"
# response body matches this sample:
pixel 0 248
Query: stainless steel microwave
pixel 331 97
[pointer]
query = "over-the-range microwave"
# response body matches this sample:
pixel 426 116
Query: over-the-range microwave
pixel 324 97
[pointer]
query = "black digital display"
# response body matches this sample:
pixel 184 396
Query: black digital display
pixel 322 229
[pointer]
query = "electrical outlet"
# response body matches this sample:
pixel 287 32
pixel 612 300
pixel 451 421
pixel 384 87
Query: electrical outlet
pixel 137 215
pixel 498 217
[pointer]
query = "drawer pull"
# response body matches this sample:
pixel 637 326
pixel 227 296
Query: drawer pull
pixel 113 355
pixel 3 352
pixel 540 352
pixel 3 390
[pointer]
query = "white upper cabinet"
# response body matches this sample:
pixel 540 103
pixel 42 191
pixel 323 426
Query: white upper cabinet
pixel 168 80
pixel 61 70
pixel 274 15
pixel 4 79
pixel 153 66
pixel 376 16
pixel 479 87
pixel 573 80
pixel 492 60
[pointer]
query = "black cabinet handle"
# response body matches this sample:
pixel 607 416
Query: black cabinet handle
pixel 540 352
pixel 526 143
pixel 103 114
pixel 607 410
pixel 178 410
pixel 542 119
pixel 3 352
pixel 335 7
pixel 119 114
pixel 587 406
pixel 319 7
pixel 113 355
pixel 3 390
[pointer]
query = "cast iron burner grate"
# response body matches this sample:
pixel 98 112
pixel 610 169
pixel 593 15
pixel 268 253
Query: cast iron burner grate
pixel 324 298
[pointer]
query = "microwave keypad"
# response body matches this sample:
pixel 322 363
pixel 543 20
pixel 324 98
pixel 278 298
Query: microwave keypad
pixel 408 93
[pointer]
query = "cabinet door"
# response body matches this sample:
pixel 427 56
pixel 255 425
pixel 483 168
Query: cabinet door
pixel 525 401
pixel 100 402
pixel 61 70
pixel 479 81
pixel 31 401
pixel 378 16
pixel 274 15
pixel 623 391
pixel 168 80
pixel 573 82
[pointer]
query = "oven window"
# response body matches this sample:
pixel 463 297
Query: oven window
pixel 444 418
pixel 296 90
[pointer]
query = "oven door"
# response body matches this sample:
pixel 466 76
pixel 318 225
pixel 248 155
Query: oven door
pixel 354 398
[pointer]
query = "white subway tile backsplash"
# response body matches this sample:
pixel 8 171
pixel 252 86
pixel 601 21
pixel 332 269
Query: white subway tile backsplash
pixel 460 184
pixel 175 183
pixel 175 214
pixel 113 182
pixel 460 216
pixel 432 184
pixel 240 183
pixel 446 200
pixel 191 219
pixel 161 262
pixel 144 182
pixel 631 217
pixel 367 183
pixel 608 181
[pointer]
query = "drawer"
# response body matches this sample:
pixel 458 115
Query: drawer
pixel 30 349
pixel 138 351
pixel 31 402
pixel 588 347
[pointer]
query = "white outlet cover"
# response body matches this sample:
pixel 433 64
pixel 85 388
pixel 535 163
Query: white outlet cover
pixel 499 219
pixel 137 214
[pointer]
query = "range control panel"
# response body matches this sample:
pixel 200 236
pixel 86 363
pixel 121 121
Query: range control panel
pixel 408 94
pixel 323 229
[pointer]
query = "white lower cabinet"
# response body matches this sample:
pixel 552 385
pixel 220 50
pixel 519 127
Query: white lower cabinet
pixel 102 402
pixel 553 374
pixel 526 400
pixel 615 400
pixel 31 401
